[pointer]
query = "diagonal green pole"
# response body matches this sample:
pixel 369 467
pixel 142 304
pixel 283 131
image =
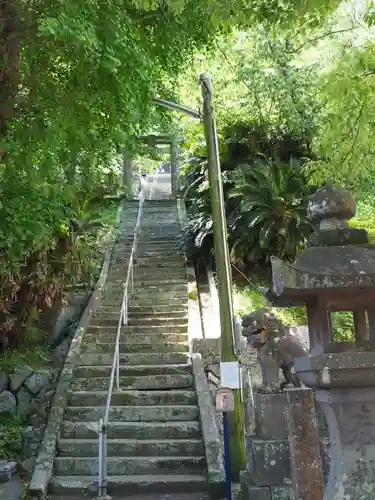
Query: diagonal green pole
pixel 224 275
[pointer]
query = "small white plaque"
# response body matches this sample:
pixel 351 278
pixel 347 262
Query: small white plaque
pixel 224 400
pixel 230 375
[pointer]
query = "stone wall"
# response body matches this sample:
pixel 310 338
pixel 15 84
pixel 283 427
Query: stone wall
pixel 29 392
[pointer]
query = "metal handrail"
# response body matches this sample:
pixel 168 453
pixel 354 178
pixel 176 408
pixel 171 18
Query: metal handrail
pixel 115 372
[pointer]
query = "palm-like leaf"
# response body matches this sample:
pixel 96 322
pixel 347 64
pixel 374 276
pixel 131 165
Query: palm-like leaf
pixel 272 201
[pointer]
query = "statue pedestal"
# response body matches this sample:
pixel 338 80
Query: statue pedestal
pixel 344 385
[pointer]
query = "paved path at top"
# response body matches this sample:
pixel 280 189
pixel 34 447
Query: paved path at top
pixel 157 187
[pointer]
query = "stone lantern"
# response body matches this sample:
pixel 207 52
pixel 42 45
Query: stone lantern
pixel 337 273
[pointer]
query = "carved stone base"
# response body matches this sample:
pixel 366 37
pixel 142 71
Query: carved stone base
pixel 350 416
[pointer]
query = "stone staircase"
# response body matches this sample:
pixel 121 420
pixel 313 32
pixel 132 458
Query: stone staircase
pixel 154 436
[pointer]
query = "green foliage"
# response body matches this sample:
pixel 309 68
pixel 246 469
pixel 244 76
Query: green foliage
pixel 342 326
pixel 247 299
pixel 35 352
pixel 365 219
pixel 265 201
pixel 11 430
pixel 270 215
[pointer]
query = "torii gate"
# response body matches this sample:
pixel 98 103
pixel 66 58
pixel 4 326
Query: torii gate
pixel 154 141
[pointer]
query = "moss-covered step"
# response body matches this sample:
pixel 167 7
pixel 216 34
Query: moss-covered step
pixel 102 335
pixel 134 358
pixel 132 370
pixel 136 382
pixel 134 398
pixel 132 430
pixel 130 465
pixel 132 447
pixel 139 346
pixel 98 322
pixel 133 413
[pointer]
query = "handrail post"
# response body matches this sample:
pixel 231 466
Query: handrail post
pixel 117 365
pixel 102 464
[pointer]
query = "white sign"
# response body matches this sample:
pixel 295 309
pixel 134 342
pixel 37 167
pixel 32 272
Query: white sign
pixel 224 400
pixel 230 375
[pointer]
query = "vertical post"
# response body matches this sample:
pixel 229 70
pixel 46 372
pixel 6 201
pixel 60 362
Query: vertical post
pixel 117 354
pixel 223 269
pixel 127 174
pixel 306 462
pixel 101 457
pixel 174 167
pixel 228 482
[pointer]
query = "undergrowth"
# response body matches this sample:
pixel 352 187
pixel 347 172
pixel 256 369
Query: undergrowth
pixel 11 430
pixel 35 351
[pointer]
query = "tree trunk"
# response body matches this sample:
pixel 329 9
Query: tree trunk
pixel 10 44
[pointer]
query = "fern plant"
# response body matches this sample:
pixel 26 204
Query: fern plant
pixel 269 217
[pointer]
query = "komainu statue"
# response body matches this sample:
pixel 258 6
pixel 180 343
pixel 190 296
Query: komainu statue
pixel 277 346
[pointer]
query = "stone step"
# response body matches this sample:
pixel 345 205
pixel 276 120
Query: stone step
pixel 130 465
pixel 145 237
pixel 120 273
pixel 133 430
pixel 160 275
pixel 133 413
pixel 98 326
pixel 140 314
pixel 131 447
pixel 160 278
pixel 145 495
pixel 108 335
pixel 156 321
pixel 149 382
pixel 164 297
pixel 172 246
pixel 149 285
pixel 159 300
pixel 132 370
pixel 155 264
pixel 142 320
pixel 162 283
pixel 136 346
pixel 170 254
pixel 122 258
pixel 147 291
pixel 139 358
pixel 157 308
pixel 133 398
pixel 158 243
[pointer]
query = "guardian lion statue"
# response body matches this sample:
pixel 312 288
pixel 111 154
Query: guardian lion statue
pixel 266 333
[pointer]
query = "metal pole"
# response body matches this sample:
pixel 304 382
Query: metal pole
pixel 117 366
pixel 223 269
pixel 228 482
pixel 101 457
pixel 174 167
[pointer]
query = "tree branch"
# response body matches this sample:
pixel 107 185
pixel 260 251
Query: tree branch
pixel 318 38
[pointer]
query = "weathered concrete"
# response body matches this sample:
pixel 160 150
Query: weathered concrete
pixel 212 443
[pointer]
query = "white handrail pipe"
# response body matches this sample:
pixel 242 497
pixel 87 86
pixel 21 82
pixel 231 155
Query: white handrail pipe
pixel 115 371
